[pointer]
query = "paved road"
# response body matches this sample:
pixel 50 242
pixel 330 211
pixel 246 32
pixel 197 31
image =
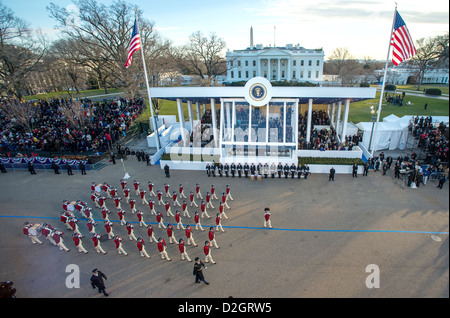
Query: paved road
pixel 326 234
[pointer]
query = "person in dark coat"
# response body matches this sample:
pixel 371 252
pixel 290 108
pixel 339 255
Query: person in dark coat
pixel 31 168
pixel 331 176
pixel 198 273
pixel 167 171
pixel 97 281
pixel 69 170
pixel 82 167
pixel 355 170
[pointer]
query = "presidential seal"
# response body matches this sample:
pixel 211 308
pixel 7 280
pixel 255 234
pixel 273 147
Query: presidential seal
pixel 258 91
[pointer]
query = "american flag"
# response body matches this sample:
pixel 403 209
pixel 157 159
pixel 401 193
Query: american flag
pixel 135 44
pixel 402 43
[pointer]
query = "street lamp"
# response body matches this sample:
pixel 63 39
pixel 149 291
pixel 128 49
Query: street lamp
pixel 373 119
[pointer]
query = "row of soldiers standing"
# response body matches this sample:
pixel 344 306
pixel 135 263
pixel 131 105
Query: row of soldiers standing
pixel 265 170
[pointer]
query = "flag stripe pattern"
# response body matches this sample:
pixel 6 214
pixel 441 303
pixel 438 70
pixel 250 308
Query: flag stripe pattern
pixel 402 43
pixel 135 43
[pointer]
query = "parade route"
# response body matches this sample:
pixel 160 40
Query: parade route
pixel 325 235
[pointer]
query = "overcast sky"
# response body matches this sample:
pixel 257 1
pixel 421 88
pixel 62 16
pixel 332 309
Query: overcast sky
pixel 361 26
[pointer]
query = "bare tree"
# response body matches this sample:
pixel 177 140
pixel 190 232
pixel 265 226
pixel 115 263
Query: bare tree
pixel 431 52
pixel 19 52
pixel 203 56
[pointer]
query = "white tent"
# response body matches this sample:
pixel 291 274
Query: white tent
pixel 390 135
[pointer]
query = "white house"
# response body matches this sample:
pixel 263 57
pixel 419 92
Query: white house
pixel 288 63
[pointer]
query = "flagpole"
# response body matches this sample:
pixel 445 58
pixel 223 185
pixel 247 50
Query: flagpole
pixel 383 83
pixel 158 146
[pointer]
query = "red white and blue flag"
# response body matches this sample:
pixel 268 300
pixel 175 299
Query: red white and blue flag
pixel 402 43
pixel 135 43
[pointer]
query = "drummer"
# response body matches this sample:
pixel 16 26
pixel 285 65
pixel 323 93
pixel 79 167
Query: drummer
pixel 31 230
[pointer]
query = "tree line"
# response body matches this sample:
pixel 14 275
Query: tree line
pixel 92 50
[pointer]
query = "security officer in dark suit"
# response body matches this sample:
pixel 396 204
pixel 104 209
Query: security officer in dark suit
pixel 252 169
pixel 286 170
pixel 208 170
pixel 299 170
pixel 246 169
pixel 355 171
pixel 239 169
pixel 331 176
pixel 233 169
pixel 279 170
pixel 226 168
pixel 306 171
pixel 220 169
pixel 292 169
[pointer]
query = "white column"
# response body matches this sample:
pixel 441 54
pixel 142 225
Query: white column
pixel 288 69
pixel 338 117
pixel 191 114
pixel 197 110
pixel 269 76
pixel 259 67
pixel 181 117
pixel 344 128
pixel 332 114
pixel 279 69
pixel 214 121
pixel 308 124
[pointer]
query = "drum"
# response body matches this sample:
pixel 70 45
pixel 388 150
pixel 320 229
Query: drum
pixel 252 177
pixel 259 177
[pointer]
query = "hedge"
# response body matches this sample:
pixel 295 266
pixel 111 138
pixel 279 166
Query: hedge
pixel 432 91
pixel 329 161
pixel 390 87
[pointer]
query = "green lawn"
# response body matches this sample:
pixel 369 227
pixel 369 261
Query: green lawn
pixel 444 88
pixel 360 111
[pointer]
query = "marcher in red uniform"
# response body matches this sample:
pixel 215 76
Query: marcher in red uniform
pixel 224 200
pixel 151 233
pixel 207 251
pixel 123 183
pixel 78 244
pixel 30 230
pixel 170 234
pixel 175 200
pixel 96 239
pixel 136 186
pixel 218 223
pixel 182 196
pixel 64 217
pixel 168 211
pixel 141 247
pixel 191 197
pixel 267 222
pixel 130 230
pixel 198 225
pixel 212 237
pixel 117 200
pixel 57 236
pixel 121 214
pixel 88 213
pixel 178 220
pixel 213 193
pixel 91 226
pixel 166 189
pixel 228 192
pixel 183 252
pixel 73 225
pixel 197 192
pixel 108 228
pixel 184 209
pixel 203 210
pixel 160 219
pixel 162 249
pixel 105 213
pixel 47 231
pixel 142 194
pixel 190 236
pixel 126 194
pixel 118 240
pixel 208 201
pixel 140 216
pixel 150 189
pixel 133 205
pixel 221 211
pixel 159 195
pixel 151 206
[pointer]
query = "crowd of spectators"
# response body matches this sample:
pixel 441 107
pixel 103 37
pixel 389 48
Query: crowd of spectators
pixel 92 127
